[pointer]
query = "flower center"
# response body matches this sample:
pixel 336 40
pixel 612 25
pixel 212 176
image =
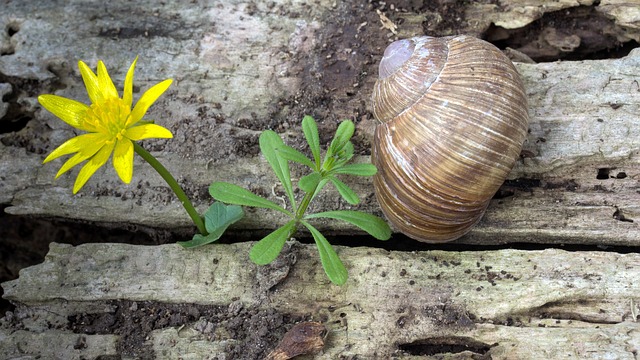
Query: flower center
pixel 109 117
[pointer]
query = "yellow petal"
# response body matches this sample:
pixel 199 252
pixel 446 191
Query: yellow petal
pixel 77 159
pixel 104 82
pixel 73 161
pixel 127 96
pixel 85 152
pixel 69 111
pixel 90 82
pixel 146 100
pixel 147 131
pixel 123 159
pixel 92 166
pixel 76 144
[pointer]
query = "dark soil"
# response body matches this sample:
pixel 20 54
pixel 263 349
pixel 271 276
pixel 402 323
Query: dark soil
pixel 336 85
pixel 254 332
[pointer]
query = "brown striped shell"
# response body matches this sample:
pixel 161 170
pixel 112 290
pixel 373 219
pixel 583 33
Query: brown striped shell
pixel 453 118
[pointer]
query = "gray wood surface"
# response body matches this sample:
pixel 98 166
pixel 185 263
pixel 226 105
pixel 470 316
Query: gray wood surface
pixel 241 67
pixel 509 304
pixel 235 63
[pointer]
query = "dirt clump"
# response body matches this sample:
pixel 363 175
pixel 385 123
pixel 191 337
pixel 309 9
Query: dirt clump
pixel 254 332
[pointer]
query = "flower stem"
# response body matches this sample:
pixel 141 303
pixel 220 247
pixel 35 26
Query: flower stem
pixel 173 184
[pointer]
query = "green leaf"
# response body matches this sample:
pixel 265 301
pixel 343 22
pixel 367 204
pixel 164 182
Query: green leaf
pixel 319 186
pixel 217 219
pixel 291 154
pixel 310 130
pixel 219 216
pixel 267 249
pixel 333 266
pixel 343 134
pixel 309 183
pixel 372 224
pixel 322 183
pixel 198 240
pixel 234 194
pixel 344 155
pixel 341 138
pixel 357 169
pixel 269 142
pixel 345 191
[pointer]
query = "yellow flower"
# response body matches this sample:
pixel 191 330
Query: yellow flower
pixel 109 121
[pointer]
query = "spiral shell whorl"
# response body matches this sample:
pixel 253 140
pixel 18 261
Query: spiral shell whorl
pixel 395 55
pixel 452 125
pixel 418 71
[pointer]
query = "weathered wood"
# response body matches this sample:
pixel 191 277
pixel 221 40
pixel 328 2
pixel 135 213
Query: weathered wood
pixel 55 344
pixel 509 304
pixel 242 67
pixel 520 13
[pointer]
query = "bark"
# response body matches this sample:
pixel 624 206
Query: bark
pixel 506 304
pixel 242 67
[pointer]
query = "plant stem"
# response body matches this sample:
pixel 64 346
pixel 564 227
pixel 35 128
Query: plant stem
pixel 304 204
pixel 173 184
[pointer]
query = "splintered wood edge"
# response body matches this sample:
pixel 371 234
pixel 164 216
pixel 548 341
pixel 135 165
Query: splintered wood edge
pixel 504 302
pixel 583 118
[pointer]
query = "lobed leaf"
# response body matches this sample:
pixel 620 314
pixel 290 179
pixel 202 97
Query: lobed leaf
pixel 217 219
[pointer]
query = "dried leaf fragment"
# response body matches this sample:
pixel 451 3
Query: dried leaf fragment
pixel 303 338
pixel 387 24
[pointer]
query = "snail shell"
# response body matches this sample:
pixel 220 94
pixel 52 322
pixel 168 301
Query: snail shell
pixel 453 118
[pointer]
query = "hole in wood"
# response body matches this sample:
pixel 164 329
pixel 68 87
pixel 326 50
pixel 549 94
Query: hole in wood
pixel 445 345
pixel 603 173
pixel 576 33
pixel 12 29
pixel 618 215
pixel 503 193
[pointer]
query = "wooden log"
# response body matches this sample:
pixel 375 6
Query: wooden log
pixel 507 304
pixel 242 67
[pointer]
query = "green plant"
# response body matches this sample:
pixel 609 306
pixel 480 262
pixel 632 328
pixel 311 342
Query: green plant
pixel 323 171
pixel 112 126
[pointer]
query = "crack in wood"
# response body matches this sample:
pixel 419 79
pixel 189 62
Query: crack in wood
pixel 441 345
